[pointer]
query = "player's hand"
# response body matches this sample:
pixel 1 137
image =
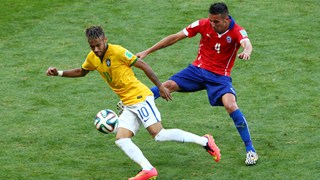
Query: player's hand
pixel 52 71
pixel 142 54
pixel 165 93
pixel 244 56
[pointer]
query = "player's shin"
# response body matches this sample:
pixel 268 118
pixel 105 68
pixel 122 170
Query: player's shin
pixel 242 127
pixel 133 152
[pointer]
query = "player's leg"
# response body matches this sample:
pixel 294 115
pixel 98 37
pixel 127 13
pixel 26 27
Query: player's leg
pixel 160 134
pixel 170 84
pixel 187 80
pixel 179 135
pixel 128 126
pixel 229 102
pixel 133 152
pixel 221 93
pixel 150 118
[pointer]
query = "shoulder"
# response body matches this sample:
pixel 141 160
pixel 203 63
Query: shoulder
pixel 115 47
pixel 121 52
pixel 91 62
pixel 239 31
pixel 203 22
pixel 116 50
pixel 90 56
pixel 238 27
pixel 234 26
pixel 198 26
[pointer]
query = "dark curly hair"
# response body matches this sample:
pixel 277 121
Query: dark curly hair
pixel 94 32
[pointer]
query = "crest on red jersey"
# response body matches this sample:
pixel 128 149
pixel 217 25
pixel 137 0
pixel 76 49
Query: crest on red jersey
pixel 228 38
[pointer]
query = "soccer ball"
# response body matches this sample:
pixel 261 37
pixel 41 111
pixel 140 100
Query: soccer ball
pixel 106 121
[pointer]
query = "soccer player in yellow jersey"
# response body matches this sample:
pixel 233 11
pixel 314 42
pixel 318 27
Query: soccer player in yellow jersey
pixel 114 63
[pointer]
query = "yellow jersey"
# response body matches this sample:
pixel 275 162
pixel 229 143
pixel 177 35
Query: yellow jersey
pixel 115 69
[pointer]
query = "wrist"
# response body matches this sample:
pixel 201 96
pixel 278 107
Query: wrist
pixel 60 73
pixel 246 53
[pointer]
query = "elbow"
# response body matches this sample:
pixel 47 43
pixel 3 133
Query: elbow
pixel 81 72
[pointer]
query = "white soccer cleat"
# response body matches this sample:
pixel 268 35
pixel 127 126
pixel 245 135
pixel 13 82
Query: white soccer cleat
pixel 252 158
pixel 120 107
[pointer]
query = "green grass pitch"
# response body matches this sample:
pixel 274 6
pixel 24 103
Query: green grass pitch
pixel 47 129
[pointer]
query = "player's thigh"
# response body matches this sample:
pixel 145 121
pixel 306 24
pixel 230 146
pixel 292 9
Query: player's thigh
pixel 189 80
pixel 217 86
pixel 145 112
pixel 129 121
pixel 148 112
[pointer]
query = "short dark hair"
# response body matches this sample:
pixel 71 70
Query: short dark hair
pixel 94 32
pixel 219 8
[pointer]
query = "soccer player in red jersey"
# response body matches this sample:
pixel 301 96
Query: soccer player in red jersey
pixel 220 41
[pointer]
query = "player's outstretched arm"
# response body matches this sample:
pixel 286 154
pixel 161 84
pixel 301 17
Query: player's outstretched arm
pixel 77 72
pixel 164 92
pixel 247 49
pixel 167 41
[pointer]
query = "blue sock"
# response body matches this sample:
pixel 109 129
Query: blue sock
pixel 155 91
pixel 242 127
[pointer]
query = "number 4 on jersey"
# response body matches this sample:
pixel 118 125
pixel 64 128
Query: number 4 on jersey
pixel 217 47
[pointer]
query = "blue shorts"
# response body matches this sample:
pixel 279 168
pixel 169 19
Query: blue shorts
pixel 193 79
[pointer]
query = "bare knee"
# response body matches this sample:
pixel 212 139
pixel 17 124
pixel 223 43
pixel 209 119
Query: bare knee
pixel 155 129
pixel 171 85
pixel 123 133
pixel 230 107
pixel 229 102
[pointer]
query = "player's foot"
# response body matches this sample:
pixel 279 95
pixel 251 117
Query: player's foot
pixel 146 175
pixel 120 107
pixel 212 148
pixel 252 158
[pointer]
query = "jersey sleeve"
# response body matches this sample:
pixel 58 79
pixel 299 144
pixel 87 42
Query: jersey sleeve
pixel 128 57
pixel 88 63
pixel 192 29
pixel 243 35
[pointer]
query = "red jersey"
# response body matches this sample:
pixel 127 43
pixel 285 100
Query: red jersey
pixel 217 52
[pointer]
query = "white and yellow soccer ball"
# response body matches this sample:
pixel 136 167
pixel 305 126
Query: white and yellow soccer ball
pixel 106 121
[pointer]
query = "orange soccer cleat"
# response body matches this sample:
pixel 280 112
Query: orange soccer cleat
pixel 146 175
pixel 212 148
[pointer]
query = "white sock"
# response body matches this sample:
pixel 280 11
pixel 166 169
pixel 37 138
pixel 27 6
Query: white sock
pixel 134 153
pixel 180 136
